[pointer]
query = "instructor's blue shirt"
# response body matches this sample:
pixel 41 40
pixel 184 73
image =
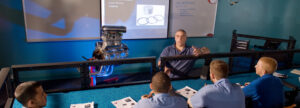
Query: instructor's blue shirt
pixel 180 67
pixel 162 100
pixel 266 92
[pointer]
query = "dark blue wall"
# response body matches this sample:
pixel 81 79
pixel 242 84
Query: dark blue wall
pixel 273 18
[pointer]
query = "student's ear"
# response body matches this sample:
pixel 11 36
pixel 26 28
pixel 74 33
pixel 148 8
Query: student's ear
pixel 30 103
pixel 264 72
pixel 171 87
pixel 151 86
pixel 212 76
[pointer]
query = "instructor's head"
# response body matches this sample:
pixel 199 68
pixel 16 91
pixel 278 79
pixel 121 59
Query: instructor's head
pixel 161 83
pixel 31 94
pixel 265 65
pixel 180 37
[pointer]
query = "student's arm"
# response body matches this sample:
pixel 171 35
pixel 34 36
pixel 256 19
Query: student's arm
pixel 147 96
pixel 199 99
pixel 143 101
pixel 250 90
pixel 189 103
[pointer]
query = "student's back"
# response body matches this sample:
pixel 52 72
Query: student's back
pixel 162 100
pixel 222 94
pixel 266 92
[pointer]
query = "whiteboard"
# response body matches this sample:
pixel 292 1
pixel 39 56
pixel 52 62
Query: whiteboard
pixel 197 17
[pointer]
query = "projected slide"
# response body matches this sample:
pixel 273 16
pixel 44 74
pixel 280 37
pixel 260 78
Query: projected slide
pixel 59 20
pixel 148 15
pixel 143 18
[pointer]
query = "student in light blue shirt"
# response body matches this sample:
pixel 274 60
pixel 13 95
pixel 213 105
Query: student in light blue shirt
pixel 266 91
pixel 161 87
pixel 221 94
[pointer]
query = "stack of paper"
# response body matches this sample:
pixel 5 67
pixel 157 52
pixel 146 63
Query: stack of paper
pixel 295 71
pixel 187 92
pixel 127 102
pixel 279 75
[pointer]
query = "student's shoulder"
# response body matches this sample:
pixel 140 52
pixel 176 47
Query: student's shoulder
pixel 207 89
pixel 257 82
pixel 180 100
pixel 177 97
pixel 143 102
pixel 209 86
pixel 273 79
pixel 146 100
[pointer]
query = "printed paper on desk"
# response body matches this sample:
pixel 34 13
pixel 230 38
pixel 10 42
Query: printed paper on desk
pixel 295 71
pixel 127 102
pixel 187 92
pixel 279 75
pixel 83 105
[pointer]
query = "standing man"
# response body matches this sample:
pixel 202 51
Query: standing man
pixel 266 91
pixel 221 94
pixel 31 95
pixel 180 68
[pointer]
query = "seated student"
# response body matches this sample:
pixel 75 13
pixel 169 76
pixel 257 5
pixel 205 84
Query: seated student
pixel 180 68
pixel 161 87
pixel 31 94
pixel 266 91
pixel 221 94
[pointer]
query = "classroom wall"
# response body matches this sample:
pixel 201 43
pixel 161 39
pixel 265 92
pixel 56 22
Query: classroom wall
pixel 272 18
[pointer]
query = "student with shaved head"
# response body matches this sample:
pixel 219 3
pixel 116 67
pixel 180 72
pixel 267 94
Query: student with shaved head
pixel 161 88
pixel 31 95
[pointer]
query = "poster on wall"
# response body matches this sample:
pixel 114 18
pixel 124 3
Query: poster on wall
pixel 61 20
pixel 197 17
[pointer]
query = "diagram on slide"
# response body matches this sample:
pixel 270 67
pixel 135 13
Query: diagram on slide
pixel 150 15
